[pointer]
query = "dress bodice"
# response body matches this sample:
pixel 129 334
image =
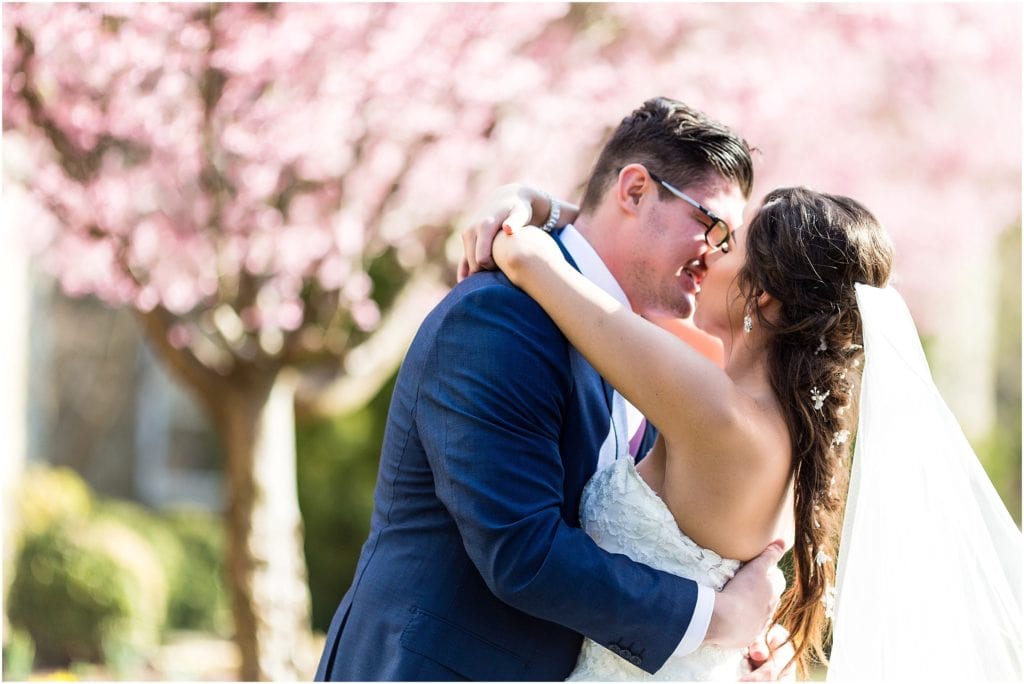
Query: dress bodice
pixel 624 515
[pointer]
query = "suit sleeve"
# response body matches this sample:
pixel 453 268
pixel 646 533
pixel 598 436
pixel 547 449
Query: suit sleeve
pixel 495 401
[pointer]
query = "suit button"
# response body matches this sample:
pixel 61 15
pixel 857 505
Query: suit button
pixel 635 660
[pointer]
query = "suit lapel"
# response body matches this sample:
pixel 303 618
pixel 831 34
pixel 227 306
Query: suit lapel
pixel 650 434
pixel 608 389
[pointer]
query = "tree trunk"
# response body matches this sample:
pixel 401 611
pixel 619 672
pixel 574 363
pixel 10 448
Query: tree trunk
pixel 266 564
pixel 253 408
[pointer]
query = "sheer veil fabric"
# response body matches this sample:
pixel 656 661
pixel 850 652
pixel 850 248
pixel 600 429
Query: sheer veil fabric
pixel 929 574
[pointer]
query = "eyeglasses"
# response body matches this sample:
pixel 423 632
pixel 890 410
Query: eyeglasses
pixel 718 234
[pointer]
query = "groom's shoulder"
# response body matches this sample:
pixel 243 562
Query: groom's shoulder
pixel 488 304
pixel 493 291
pixel 488 324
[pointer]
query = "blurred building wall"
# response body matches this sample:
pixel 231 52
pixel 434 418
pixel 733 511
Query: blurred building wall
pixel 82 390
pixel 14 345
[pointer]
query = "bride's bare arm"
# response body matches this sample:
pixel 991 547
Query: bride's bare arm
pixel 676 387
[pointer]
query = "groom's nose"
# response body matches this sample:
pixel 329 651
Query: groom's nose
pixel 698 267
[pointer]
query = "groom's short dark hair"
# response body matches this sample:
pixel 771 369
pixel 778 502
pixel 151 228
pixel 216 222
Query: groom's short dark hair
pixel 676 142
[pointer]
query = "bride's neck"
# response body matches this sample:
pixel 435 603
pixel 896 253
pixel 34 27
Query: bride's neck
pixel 746 361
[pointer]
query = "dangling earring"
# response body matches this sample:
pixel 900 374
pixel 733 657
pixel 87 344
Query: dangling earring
pixel 748 324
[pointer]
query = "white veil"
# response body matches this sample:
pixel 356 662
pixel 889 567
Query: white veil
pixel 929 574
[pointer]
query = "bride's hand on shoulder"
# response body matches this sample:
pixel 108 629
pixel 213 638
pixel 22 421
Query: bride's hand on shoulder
pixel 526 253
pixel 513 206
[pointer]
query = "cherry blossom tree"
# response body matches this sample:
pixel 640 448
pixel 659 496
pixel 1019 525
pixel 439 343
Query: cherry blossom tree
pixel 273 187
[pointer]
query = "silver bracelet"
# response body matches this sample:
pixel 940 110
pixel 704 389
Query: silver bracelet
pixel 552 221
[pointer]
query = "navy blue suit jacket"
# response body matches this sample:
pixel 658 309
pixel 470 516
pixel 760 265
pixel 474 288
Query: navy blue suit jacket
pixel 475 566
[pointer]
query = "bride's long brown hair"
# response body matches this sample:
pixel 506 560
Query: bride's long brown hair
pixel 807 249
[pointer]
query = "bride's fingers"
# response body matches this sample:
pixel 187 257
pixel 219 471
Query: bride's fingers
pixel 758 651
pixel 469 250
pixel 783 657
pixel 745 667
pixel 779 654
pixel 485 231
pixel 768 655
pixel 777 637
pixel 759 673
pixel 463 271
pixel 520 216
pixel 782 650
pixel 770 668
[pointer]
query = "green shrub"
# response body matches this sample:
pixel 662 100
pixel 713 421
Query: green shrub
pixel 337 470
pixel 48 496
pixel 101 579
pixel 199 598
pixel 19 654
pixel 191 546
pixel 155 530
pixel 88 591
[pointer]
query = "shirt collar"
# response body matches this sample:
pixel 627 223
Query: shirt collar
pixel 590 264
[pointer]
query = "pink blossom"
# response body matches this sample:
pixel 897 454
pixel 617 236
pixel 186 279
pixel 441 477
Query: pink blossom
pixel 179 335
pixel 366 314
pixel 336 133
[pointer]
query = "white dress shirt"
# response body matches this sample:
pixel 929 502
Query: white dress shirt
pixel 627 419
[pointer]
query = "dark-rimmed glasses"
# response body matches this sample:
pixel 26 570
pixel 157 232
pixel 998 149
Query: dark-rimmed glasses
pixel 717 234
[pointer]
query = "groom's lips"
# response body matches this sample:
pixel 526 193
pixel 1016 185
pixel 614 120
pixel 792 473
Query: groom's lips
pixel 695 275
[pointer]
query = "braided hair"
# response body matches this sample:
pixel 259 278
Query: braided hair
pixel 807 250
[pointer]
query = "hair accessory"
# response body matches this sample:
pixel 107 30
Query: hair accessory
pixel 818 398
pixel 840 437
pixel 748 324
pixel 821 345
pixel 822 558
pixel 829 599
pixel 553 215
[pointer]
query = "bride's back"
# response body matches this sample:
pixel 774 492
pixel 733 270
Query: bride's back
pixel 734 501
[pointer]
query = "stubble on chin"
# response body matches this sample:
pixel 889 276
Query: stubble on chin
pixel 684 308
pixel 669 302
pixel 653 299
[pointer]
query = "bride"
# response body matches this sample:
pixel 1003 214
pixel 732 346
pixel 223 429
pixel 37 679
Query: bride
pixel 802 306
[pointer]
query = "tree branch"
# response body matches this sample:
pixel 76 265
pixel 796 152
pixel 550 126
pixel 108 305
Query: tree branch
pixel 182 362
pixel 82 165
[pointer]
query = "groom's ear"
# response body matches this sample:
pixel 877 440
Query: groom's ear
pixel 631 184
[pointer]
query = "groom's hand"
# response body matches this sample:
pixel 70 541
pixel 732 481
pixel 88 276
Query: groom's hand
pixel 746 604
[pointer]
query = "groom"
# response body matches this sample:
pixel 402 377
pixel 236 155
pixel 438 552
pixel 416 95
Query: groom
pixel 475 566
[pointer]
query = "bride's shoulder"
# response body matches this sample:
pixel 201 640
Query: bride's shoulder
pixel 756 433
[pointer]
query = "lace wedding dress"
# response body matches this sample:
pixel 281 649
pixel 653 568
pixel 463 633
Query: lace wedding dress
pixel 624 515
